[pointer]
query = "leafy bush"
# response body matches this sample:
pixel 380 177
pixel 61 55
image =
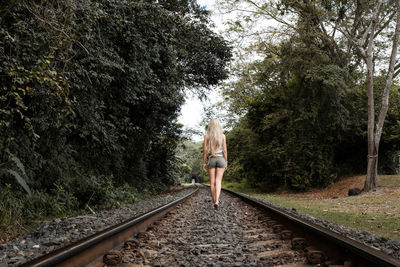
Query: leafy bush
pixel 15 168
pixel 95 87
pixel 18 209
pixel 11 209
pixel 55 204
pixel 99 191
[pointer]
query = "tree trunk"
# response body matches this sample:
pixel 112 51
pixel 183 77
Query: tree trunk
pixel 371 180
pixel 375 132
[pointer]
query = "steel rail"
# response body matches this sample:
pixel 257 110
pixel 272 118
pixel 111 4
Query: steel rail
pixel 360 254
pixel 92 248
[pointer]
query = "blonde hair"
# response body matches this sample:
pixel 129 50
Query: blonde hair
pixel 214 136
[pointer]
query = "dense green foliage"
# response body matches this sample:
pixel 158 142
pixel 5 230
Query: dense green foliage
pixel 191 157
pixel 90 90
pixel 303 108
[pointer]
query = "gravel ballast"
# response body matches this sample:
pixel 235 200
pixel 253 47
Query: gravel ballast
pixel 387 246
pixel 61 232
pixel 195 234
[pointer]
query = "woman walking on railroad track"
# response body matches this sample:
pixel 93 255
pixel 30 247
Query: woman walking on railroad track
pixel 215 158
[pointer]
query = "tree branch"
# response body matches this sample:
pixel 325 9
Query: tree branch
pixel 270 14
pixel 389 78
pixel 385 24
pixel 372 24
pixel 396 73
pixel 59 30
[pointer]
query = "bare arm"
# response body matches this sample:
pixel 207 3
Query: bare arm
pixel 204 153
pixel 225 150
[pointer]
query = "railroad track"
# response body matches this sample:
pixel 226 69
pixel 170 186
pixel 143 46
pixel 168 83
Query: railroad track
pixel 242 232
pixel 90 250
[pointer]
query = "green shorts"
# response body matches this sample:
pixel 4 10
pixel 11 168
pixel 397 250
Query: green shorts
pixel 216 162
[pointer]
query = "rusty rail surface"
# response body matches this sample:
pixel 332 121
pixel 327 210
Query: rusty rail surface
pixel 90 250
pixel 336 246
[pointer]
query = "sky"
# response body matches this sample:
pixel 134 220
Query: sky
pixel 207 3
pixel 192 110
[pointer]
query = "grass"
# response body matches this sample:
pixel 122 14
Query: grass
pixel 376 212
pixel 389 181
pixel 238 186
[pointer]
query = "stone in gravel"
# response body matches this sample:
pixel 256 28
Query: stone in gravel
pixel 16 259
pixel 128 264
pixel 131 243
pixel 141 254
pixel 112 257
pixel 195 252
pixel 387 251
pixel 162 250
pixel 45 226
pixel 238 251
pixel 142 235
pixel 11 254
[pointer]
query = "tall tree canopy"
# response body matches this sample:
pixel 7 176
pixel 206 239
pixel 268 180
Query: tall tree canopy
pixel 302 100
pixel 94 87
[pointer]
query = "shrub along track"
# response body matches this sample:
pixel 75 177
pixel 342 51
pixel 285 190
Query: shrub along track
pixel 237 234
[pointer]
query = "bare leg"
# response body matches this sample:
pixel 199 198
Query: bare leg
pixel 218 179
pixel 211 173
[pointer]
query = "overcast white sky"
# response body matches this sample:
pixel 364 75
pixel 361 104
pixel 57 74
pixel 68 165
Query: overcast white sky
pixel 208 3
pixel 192 111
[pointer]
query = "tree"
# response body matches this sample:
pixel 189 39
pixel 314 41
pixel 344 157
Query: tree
pixel 356 31
pixel 94 88
pixel 364 39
